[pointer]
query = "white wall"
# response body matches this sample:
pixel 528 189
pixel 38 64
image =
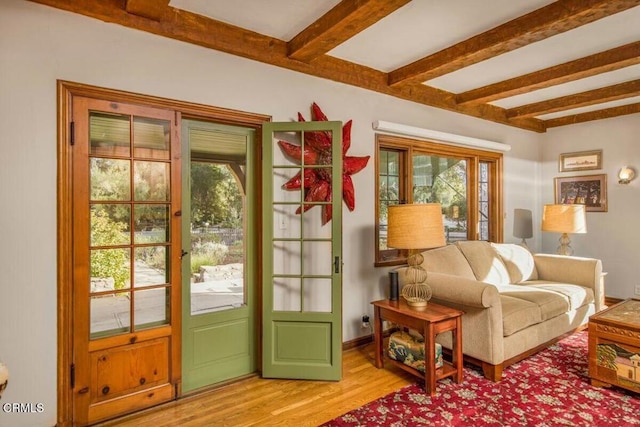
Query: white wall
pixel 612 236
pixel 39 45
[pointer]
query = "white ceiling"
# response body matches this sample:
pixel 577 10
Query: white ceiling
pixel 281 19
pixel 423 27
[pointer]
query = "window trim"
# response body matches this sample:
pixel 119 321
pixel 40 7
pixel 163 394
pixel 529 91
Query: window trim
pixel 408 147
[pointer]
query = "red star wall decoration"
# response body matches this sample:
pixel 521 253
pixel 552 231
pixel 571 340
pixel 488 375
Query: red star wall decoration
pixel 317 151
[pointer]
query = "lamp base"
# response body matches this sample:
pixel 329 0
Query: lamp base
pixel 565 245
pixel 417 295
pixel 417 304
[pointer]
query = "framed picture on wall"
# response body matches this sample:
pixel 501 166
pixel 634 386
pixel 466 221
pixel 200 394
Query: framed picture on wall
pixel 588 190
pixel 580 161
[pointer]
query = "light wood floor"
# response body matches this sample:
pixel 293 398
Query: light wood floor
pixel 263 402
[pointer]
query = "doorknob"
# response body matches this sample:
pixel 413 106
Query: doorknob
pixel 336 264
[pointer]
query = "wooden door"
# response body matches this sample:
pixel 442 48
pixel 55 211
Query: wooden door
pixel 126 258
pixel 302 250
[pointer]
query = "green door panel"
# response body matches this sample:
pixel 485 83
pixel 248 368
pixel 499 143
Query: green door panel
pixel 218 324
pixel 302 252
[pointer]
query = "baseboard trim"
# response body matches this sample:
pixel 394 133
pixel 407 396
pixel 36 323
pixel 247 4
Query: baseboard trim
pixel 609 301
pixel 366 339
pixel 357 342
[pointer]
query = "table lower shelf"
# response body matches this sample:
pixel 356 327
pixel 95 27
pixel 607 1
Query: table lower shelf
pixel 445 371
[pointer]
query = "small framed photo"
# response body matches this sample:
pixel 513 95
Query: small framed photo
pixel 580 161
pixel 588 190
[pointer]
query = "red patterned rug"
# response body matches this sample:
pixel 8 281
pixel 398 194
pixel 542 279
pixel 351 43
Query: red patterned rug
pixel 550 388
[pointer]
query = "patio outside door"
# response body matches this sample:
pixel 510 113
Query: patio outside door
pixel 219 241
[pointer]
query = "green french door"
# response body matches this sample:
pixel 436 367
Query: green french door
pixel 302 250
pixel 219 244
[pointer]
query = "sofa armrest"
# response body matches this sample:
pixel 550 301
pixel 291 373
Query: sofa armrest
pixel 585 272
pixel 482 328
pixel 465 292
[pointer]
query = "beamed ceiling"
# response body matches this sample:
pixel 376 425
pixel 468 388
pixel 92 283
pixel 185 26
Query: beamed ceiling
pixel 532 64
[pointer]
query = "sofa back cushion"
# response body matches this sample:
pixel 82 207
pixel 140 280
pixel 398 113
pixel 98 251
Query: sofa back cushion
pixel 518 260
pixel 485 262
pixel 447 260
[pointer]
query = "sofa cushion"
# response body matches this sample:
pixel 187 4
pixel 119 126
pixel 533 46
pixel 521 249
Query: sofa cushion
pixel 485 262
pixel 518 314
pixel 551 303
pixel 447 260
pixel 518 260
pixel 575 295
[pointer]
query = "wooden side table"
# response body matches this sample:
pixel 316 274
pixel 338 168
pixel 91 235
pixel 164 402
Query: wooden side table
pixel 434 320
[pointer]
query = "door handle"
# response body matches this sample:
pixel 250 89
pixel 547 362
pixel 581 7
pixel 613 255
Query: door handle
pixel 336 264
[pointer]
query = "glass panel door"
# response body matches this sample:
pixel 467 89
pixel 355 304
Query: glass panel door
pixel 129 223
pixel 220 253
pixel 126 262
pixel 302 291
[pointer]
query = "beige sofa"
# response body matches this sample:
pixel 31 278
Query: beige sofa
pixel 515 303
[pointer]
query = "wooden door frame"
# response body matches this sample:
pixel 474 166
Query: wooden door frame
pixel 65 92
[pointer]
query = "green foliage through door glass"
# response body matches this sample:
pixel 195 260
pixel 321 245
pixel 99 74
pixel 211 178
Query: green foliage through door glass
pixel 107 263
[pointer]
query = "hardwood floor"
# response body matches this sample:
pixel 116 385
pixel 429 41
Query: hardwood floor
pixel 263 402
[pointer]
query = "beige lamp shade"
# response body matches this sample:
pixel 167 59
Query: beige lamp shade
pixel 415 226
pixel 564 219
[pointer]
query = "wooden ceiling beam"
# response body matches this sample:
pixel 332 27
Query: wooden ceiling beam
pixel 197 29
pixel 550 20
pixel 594 115
pixel 152 9
pixel 602 62
pixel 582 99
pixel 345 20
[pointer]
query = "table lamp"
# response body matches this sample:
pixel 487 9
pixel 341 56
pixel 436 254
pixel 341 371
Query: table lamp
pixel 564 219
pixel 522 225
pixel 4 377
pixel 415 227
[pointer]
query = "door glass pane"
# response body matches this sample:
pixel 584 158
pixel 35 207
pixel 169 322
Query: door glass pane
pixel 151 308
pixel 110 179
pixel 110 134
pixel 286 223
pixel 217 236
pixel 151 223
pixel 286 257
pixel 110 314
pixel 151 181
pixel 112 265
pixel 483 202
pixel 286 294
pixel 443 180
pixel 287 150
pixel 129 222
pixel 317 295
pixel 312 224
pixel 151 138
pixel 150 266
pixel 110 224
pixel 287 184
pixel 317 258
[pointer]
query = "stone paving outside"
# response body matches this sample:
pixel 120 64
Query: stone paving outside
pixel 221 287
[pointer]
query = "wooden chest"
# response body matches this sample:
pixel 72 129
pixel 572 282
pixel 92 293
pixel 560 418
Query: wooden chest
pixel 614 346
